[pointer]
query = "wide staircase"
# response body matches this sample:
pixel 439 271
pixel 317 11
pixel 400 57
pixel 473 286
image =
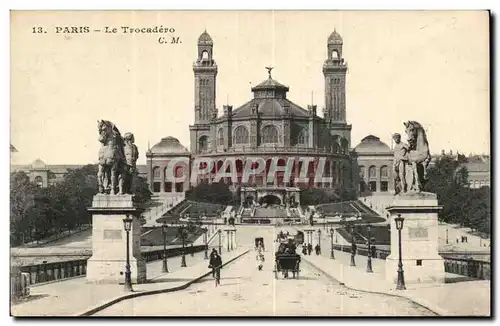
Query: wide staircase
pixel 269 215
pixel 349 209
pixel 158 206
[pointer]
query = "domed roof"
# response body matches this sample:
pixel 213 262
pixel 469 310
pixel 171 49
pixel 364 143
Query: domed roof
pixel 169 145
pixel 270 83
pixel 38 164
pixel 372 144
pixel 205 39
pixel 335 38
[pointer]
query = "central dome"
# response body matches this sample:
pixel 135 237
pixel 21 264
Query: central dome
pixel 38 164
pixel 270 100
pixel 169 145
pixel 372 144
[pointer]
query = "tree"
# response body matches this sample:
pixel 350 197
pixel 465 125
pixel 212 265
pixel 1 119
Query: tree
pixel 461 204
pixel 218 193
pixel 22 199
pixel 141 191
pixel 41 212
pixel 315 196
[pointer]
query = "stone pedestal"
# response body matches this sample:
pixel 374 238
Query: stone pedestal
pixel 308 236
pixel 109 239
pixel 419 239
pixel 230 238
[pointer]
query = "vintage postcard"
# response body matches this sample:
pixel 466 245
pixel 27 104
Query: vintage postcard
pixel 250 163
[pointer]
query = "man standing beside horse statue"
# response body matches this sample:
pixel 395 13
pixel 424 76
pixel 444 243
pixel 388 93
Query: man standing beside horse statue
pixel 117 160
pixel 411 160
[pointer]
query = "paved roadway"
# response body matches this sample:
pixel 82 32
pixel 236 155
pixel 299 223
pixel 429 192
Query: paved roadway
pixel 244 291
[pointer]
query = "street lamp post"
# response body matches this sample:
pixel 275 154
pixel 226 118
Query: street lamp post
pixel 183 235
pixel 332 255
pixel 127 223
pixel 369 262
pixel 319 239
pixel 401 278
pixel 164 233
pixel 231 240
pixel 353 246
pixel 206 242
pixel 220 244
pixel 446 235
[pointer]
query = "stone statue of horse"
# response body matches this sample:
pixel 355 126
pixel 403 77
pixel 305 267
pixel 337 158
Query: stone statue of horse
pixel 111 158
pixel 419 156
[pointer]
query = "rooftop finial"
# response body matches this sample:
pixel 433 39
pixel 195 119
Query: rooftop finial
pixel 312 97
pixel 269 69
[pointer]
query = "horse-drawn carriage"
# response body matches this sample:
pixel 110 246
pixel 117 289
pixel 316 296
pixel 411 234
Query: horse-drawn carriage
pixel 286 259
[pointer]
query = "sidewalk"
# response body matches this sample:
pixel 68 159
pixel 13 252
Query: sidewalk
pixel 470 298
pixel 75 297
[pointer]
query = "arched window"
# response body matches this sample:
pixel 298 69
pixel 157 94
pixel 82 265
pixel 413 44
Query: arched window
pixel 345 145
pixel 361 172
pixel 179 171
pixel 204 55
pixel 269 135
pixel 220 137
pixel 335 54
pixel 240 135
pixel 384 172
pixel 156 172
pixel 39 181
pixel 203 143
pixel 372 172
pixel 302 137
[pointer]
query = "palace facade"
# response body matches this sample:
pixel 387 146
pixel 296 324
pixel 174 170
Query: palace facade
pixel 269 125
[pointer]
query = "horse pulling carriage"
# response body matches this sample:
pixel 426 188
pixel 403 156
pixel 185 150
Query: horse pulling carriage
pixel 287 260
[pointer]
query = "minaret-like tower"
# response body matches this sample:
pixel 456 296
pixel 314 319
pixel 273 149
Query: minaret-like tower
pixel 335 71
pixel 205 73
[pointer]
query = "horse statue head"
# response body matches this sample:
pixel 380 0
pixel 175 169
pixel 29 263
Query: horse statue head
pixel 416 135
pixel 108 132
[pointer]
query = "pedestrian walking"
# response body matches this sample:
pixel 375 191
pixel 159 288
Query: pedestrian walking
pixel 215 264
pixel 260 261
pixel 317 248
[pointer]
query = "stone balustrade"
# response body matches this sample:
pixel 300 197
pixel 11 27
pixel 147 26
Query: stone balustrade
pixel 48 272
pixel 477 269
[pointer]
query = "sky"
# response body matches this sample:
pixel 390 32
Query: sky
pixel 432 67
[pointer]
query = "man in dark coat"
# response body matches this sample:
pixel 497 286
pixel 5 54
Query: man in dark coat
pixel 215 264
pixel 212 256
